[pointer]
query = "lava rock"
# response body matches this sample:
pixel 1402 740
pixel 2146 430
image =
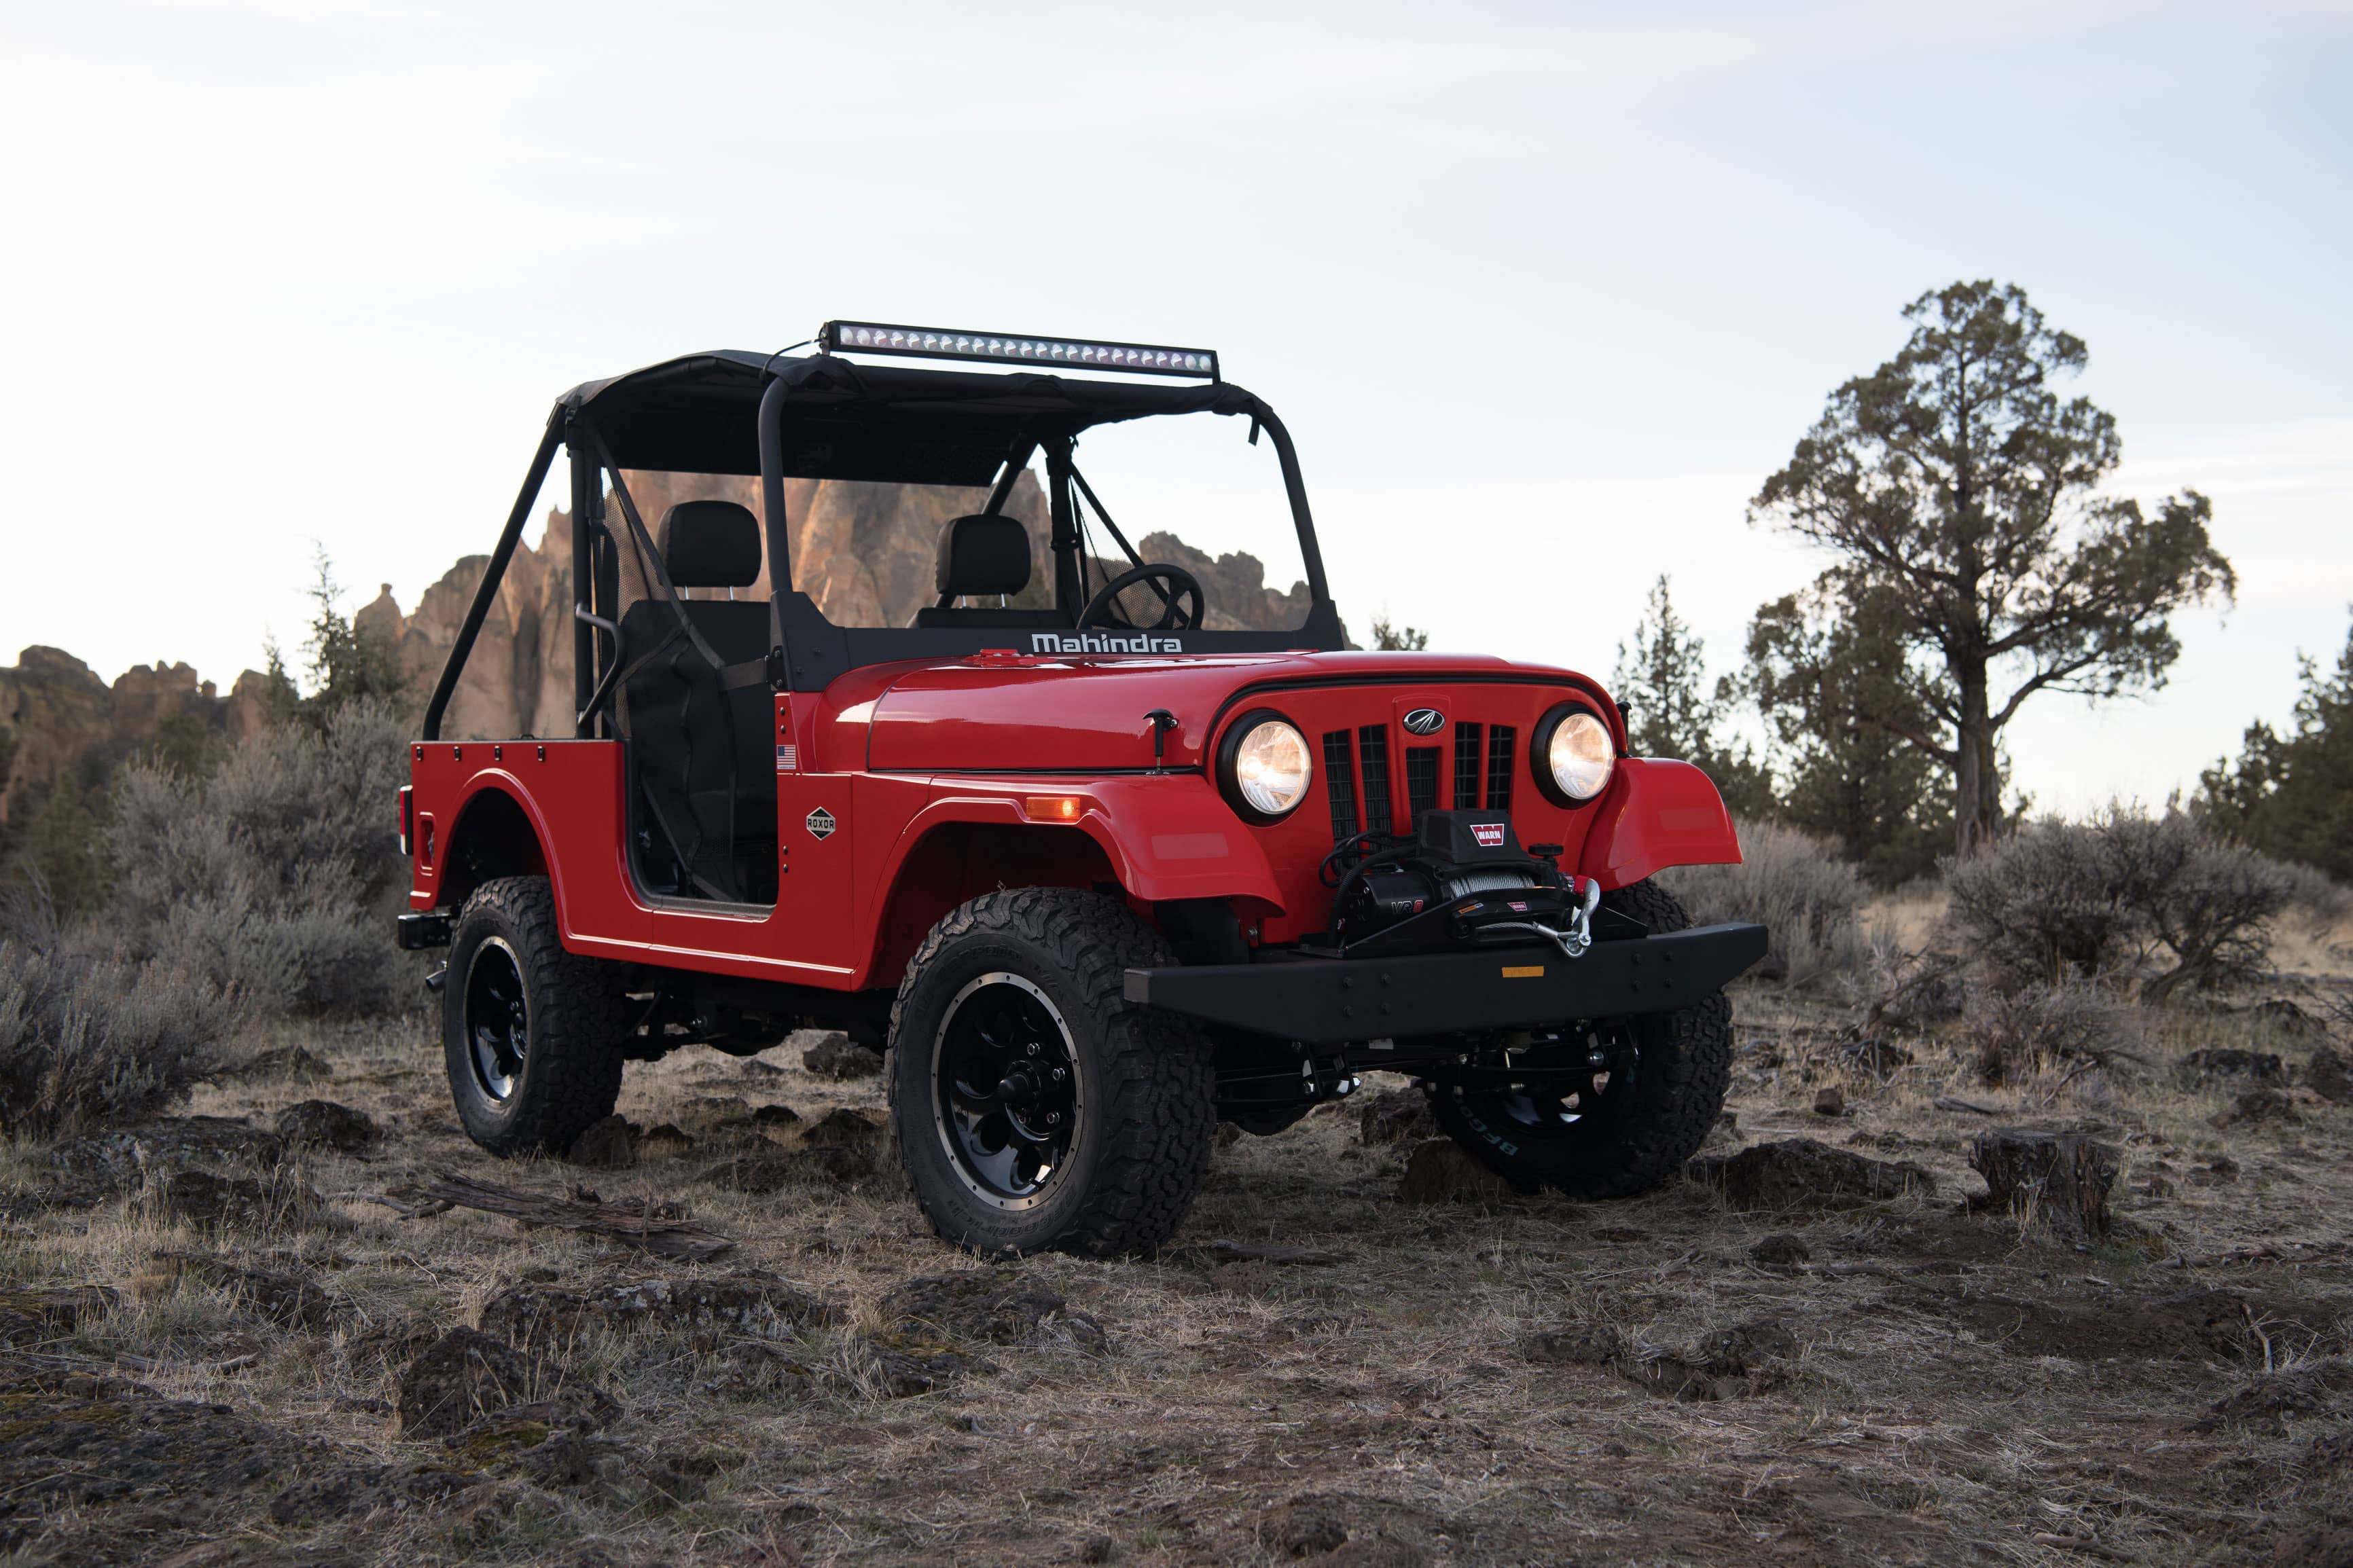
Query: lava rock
pixel 1000 1309
pixel 461 1377
pixel 2259 1107
pixel 1576 1344
pixel 1300 1530
pixel 608 1145
pixel 121 1159
pixel 1746 1347
pixel 1781 1250
pixel 291 1062
pixel 321 1124
pixel 1396 1116
pixel 543 1320
pixel 287 1299
pixel 837 1056
pixel 2262 1067
pixel 83 1447
pixel 1799 1173
pixel 1439 1172
pixel 35 1317
pixel 841 1127
pixel 350 1489
pixel 2328 1076
pixel 232 1203
pixel 840 1164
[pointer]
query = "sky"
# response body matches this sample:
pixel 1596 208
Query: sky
pixel 1543 292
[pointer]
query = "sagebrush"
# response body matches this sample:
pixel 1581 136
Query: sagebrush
pixel 273 878
pixel 87 1039
pixel 1795 885
pixel 2161 896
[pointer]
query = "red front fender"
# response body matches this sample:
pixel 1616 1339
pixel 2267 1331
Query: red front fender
pixel 1658 813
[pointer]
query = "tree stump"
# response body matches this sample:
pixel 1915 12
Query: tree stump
pixel 2060 1178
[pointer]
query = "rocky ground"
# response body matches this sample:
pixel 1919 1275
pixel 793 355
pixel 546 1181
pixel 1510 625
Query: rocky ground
pixel 275 1330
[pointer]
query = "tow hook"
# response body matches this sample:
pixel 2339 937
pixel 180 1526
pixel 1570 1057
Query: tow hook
pixel 1579 937
pixel 438 979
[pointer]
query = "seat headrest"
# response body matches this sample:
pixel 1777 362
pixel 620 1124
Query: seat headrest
pixel 711 545
pixel 984 554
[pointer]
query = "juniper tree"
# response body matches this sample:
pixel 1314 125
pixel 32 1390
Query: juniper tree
pixel 1960 498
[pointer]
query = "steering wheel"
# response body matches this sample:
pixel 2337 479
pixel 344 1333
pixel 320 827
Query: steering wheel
pixel 1104 610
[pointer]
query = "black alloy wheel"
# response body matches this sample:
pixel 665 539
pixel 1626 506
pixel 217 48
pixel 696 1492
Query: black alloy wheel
pixel 498 1019
pixel 1008 1107
pixel 531 1033
pixel 1035 1107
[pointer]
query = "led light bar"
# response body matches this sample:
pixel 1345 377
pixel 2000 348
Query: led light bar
pixel 1061 353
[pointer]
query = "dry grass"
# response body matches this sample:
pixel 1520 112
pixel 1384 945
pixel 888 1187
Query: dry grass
pixel 1392 1392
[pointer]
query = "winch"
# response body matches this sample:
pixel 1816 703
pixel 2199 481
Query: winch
pixel 1461 880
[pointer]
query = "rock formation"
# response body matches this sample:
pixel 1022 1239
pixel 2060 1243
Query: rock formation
pixel 862 551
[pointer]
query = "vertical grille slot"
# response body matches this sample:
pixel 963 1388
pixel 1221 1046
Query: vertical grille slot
pixel 1373 742
pixel 1340 783
pixel 1466 767
pixel 1421 783
pixel 1499 767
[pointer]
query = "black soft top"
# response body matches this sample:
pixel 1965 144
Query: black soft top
pixel 887 423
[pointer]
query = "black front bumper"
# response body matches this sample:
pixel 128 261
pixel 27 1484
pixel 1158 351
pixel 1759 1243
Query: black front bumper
pixel 1326 1001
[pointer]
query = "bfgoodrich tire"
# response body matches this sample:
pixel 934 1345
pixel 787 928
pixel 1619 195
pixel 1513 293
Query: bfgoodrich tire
pixel 1626 1129
pixel 1035 1107
pixel 531 1033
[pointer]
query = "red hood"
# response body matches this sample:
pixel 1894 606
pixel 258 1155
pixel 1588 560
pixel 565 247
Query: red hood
pixel 995 713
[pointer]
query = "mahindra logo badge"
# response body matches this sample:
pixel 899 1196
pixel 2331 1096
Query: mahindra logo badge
pixel 1424 721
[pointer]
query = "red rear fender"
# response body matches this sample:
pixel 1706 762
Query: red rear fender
pixel 1658 813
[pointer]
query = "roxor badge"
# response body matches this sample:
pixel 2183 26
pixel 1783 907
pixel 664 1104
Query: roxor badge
pixel 1424 721
pixel 821 824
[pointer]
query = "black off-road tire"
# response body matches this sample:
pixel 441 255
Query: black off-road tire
pixel 1141 1143
pixel 571 1066
pixel 1648 1126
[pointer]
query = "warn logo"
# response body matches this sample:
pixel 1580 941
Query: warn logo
pixel 1103 642
pixel 1490 835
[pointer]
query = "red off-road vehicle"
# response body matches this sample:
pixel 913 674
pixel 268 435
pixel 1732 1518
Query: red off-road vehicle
pixel 1095 873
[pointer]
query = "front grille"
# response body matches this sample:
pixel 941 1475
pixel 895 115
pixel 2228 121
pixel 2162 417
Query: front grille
pixel 1374 742
pixel 1466 767
pixel 1340 783
pixel 1499 767
pixel 1484 755
pixel 1421 783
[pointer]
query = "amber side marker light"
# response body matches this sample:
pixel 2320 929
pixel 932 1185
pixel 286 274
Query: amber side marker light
pixel 1055 807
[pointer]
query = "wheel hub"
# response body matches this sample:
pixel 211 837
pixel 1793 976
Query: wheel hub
pixel 1006 1103
pixel 498 1019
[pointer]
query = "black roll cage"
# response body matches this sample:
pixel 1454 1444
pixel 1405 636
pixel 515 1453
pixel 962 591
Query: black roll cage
pixel 928 426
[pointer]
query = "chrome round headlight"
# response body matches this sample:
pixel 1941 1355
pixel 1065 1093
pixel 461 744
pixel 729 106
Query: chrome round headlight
pixel 1264 766
pixel 1573 755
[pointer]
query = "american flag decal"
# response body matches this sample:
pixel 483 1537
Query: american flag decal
pixel 787 759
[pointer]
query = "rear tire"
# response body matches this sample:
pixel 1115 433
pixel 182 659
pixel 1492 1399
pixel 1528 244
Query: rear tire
pixel 1662 1098
pixel 531 1033
pixel 1035 1107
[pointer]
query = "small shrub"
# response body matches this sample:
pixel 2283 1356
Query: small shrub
pixel 274 879
pixel 2123 890
pixel 2020 1032
pixel 88 1040
pixel 1796 887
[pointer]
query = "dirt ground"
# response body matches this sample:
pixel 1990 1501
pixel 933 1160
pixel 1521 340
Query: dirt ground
pixel 1497 1379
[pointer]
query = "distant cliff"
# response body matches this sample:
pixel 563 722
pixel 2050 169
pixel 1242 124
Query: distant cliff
pixel 863 552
